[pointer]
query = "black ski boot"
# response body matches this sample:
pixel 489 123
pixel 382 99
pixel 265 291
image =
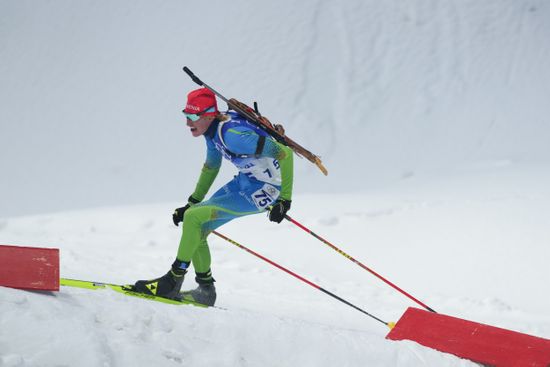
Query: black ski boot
pixel 168 285
pixel 205 293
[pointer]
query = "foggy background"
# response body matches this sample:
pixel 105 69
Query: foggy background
pixel 91 92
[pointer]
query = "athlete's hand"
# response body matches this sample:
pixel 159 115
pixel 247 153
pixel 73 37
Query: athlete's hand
pixel 278 211
pixel 177 217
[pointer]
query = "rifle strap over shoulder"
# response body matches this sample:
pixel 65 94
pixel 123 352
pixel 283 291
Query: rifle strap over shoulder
pixel 259 146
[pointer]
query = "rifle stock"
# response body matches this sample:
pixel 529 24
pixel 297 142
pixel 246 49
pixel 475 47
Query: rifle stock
pixel 277 131
pixel 265 124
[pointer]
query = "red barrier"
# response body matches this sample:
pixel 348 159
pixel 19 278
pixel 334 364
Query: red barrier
pixel 480 343
pixel 29 268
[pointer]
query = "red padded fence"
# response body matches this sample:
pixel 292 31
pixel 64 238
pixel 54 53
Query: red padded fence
pixel 29 268
pixel 480 343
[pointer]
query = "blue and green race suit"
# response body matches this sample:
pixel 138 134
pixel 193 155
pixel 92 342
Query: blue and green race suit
pixel 265 175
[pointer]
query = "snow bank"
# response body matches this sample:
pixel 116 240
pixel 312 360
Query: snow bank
pixel 472 246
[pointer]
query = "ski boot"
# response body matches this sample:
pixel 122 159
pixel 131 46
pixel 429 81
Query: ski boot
pixel 168 285
pixel 205 293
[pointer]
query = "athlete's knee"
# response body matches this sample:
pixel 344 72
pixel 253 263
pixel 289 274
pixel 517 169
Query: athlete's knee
pixel 196 215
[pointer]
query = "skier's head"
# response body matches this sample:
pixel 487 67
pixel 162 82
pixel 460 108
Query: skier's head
pixel 201 110
pixel 201 102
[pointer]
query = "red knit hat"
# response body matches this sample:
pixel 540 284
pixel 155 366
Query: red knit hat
pixel 201 100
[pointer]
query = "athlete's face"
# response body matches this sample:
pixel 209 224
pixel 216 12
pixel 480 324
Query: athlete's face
pixel 200 126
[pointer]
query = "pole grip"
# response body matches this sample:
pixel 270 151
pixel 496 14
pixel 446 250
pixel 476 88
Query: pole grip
pixel 193 76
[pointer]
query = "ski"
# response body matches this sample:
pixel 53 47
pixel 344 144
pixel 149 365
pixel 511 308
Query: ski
pixel 126 290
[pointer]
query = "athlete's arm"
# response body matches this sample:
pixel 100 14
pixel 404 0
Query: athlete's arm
pixel 208 173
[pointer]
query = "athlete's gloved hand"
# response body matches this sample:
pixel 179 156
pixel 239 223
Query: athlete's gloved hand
pixel 278 211
pixel 177 217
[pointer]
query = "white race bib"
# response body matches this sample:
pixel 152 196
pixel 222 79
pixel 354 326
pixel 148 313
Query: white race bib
pixel 265 196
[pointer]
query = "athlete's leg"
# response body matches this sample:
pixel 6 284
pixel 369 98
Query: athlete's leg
pixel 240 197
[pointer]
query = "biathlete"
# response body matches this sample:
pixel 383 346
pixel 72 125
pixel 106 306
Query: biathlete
pixel 264 182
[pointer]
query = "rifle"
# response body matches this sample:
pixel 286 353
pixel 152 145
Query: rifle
pixel 254 116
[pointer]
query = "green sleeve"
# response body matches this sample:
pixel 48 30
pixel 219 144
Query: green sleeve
pixel 208 173
pixel 286 160
pixel 207 177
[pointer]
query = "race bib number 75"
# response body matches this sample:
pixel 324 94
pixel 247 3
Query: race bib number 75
pixel 265 196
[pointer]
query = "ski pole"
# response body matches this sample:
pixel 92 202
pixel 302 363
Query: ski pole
pixel 358 263
pixel 388 324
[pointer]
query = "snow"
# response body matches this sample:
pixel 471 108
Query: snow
pixel 442 186
pixel 472 246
